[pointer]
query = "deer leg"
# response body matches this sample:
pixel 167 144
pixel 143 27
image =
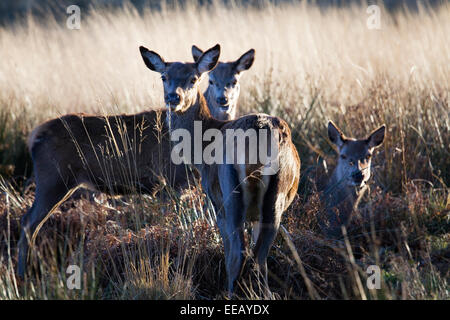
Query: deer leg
pixel 268 228
pixel 47 199
pixel 256 227
pixel 221 223
pixel 266 236
pixel 233 225
pixel 235 258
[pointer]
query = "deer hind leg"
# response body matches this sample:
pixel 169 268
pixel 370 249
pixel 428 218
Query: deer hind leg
pixel 267 230
pixel 49 196
pixel 258 203
pixel 221 223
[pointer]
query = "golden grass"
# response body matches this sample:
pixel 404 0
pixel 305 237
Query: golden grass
pixel 310 66
pixel 51 69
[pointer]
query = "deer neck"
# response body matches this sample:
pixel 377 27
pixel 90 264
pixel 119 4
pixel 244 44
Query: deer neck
pixel 190 120
pixel 338 193
pixel 198 111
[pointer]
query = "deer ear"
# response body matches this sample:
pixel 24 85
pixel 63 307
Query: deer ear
pixel 209 59
pixel 152 60
pixel 376 138
pixel 196 53
pixel 335 134
pixel 245 61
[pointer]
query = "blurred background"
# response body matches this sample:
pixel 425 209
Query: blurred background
pixel 11 9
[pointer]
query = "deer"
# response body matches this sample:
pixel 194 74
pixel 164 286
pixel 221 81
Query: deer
pixel 223 89
pixel 239 191
pixel 349 179
pixel 118 154
pixel 68 153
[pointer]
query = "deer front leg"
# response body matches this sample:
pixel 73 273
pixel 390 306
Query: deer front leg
pixel 233 224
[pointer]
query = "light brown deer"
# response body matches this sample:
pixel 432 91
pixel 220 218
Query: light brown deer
pixel 348 181
pixel 113 154
pixel 239 192
pixel 223 90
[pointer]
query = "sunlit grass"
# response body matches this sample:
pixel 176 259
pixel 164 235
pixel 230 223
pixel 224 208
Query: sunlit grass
pixel 310 66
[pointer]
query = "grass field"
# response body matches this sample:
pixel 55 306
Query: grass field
pixel 311 65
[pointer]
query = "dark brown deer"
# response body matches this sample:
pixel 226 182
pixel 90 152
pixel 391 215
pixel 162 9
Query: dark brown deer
pixel 348 181
pixel 113 154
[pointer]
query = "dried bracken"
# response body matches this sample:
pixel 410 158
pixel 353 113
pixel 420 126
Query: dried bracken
pixel 167 246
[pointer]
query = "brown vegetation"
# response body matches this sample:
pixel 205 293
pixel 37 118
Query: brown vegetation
pixel 311 66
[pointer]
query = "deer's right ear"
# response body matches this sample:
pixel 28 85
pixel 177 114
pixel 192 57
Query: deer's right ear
pixel 209 59
pixel 245 61
pixel 376 138
pixel 152 60
pixel 335 134
pixel 196 52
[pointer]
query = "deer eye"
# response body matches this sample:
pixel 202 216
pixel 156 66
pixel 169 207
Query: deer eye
pixel 234 82
pixel 193 80
pixel 368 156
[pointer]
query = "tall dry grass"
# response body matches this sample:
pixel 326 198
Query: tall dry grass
pixel 310 66
pixel 51 69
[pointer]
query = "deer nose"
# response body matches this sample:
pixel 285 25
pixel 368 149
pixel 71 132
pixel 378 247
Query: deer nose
pixel 357 176
pixel 222 101
pixel 173 98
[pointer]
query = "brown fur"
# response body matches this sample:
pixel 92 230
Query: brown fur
pixel 262 201
pixel 114 154
pixel 224 83
pixel 349 179
pixel 239 192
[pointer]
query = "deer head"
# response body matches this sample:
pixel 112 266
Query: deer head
pixel 224 88
pixel 355 156
pixel 181 80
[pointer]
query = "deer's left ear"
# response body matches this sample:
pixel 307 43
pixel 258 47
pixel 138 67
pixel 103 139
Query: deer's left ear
pixel 208 60
pixel 245 61
pixel 376 138
pixel 152 60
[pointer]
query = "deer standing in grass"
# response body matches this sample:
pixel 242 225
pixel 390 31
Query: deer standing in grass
pixel 239 192
pixel 223 90
pixel 114 154
pixel 350 176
